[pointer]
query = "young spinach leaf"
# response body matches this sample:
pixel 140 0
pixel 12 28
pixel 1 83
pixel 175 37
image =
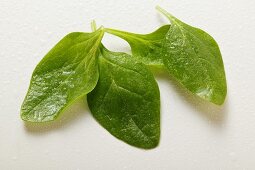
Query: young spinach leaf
pixel 67 72
pixel 193 57
pixel 190 55
pixel 146 48
pixel 126 100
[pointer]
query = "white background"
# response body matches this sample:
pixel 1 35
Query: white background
pixel 194 134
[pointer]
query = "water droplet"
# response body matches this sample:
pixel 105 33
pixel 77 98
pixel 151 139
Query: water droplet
pixel 45 88
pixel 71 85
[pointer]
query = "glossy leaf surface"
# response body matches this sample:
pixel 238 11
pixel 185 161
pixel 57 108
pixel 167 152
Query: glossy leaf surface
pixel 126 100
pixel 193 57
pixel 190 55
pixel 67 72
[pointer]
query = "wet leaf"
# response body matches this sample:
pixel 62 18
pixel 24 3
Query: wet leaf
pixel 68 72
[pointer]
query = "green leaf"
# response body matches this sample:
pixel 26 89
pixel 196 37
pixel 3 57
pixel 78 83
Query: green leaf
pixel 126 100
pixel 193 57
pixel 68 72
pixel 189 54
pixel 146 48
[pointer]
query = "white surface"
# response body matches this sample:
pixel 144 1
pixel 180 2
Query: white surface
pixel 194 135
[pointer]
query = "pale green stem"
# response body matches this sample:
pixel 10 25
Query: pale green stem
pixel 165 13
pixel 93 25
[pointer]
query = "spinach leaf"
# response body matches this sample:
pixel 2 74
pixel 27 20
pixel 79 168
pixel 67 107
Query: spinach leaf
pixel 67 72
pixel 123 95
pixel 126 100
pixel 189 54
pixel 146 48
pixel 193 57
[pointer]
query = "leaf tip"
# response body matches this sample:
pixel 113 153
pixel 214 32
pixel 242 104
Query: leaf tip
pixel 153 144
pixel 214 96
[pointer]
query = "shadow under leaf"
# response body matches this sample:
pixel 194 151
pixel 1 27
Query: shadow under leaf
pixel 214 113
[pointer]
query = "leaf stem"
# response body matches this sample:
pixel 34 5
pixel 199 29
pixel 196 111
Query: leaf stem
pixel 93 25
pixel 165 13
pixel 122 34
pixel 114 31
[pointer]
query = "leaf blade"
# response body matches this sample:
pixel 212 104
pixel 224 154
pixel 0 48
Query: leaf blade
pixel 126 100
pixel 193 57
pixel 62 76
